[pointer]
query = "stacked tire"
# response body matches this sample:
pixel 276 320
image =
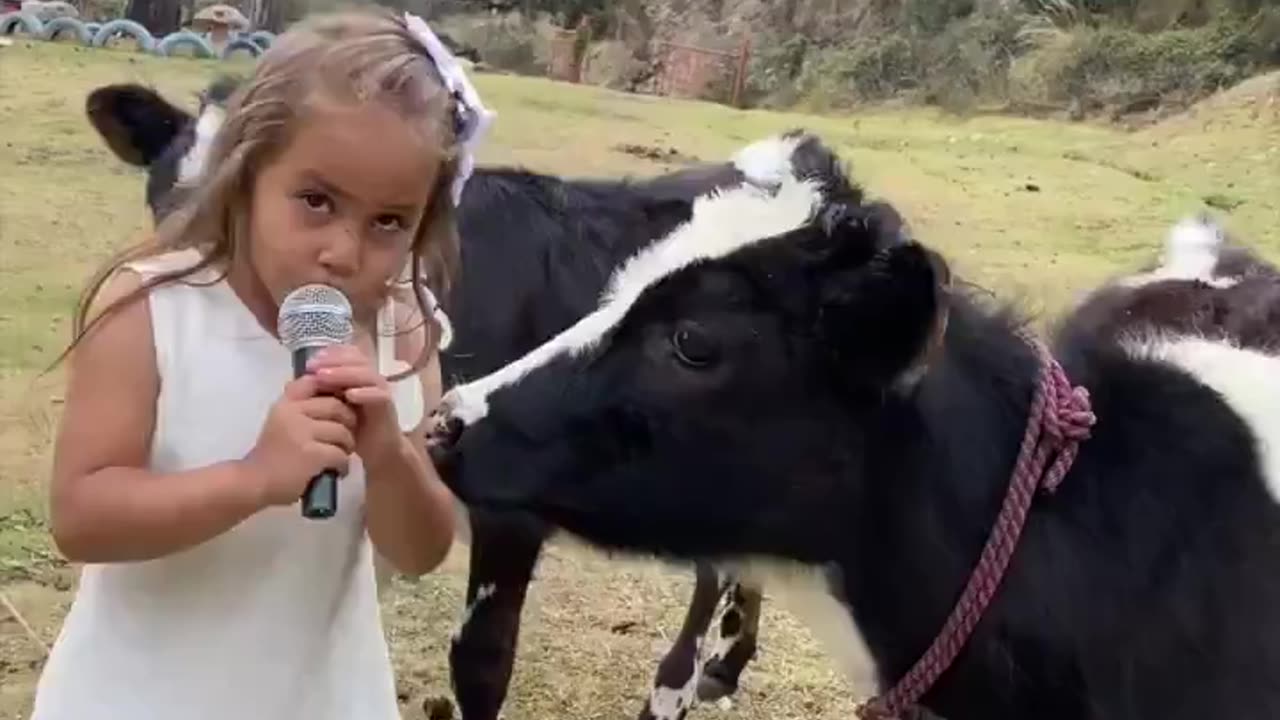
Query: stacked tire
pixel 123 26
pixel 99 34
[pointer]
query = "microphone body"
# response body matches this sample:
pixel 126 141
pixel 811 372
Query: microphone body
pixel 312 317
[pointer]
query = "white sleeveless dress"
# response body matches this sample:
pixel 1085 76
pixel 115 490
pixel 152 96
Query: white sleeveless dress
pixel 277 618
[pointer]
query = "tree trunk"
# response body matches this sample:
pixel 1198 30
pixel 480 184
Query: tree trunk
pixel 268 15
pixel 159 17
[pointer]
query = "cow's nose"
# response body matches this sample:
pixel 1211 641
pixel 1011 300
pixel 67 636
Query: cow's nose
pixel 443 431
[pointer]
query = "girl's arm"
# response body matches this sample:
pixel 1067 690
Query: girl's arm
pixel 408 510
pixel 105 506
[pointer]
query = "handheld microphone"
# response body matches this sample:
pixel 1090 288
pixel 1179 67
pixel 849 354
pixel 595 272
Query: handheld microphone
pixel 311 317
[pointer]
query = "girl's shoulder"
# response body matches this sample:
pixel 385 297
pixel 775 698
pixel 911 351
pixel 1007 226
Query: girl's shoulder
pixel 171 261
pixel 401 338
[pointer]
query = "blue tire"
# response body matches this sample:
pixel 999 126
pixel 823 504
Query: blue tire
pixel 10 21
pixel 172 41
pixel 241 43
pixel 92 28
pixel 66 24
pixel 146 42
pixel 262 38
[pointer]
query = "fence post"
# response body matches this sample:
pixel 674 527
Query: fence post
pixel 581 49
pixel 740 79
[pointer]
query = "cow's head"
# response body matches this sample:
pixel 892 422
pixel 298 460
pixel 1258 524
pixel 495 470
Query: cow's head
pixel 144 129
pixel 718 390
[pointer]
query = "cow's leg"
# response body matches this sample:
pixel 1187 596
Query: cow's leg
pixel 736 646
pixel 675 683
pixel 503 554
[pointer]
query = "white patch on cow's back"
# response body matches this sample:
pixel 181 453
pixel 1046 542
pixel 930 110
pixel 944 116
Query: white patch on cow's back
pixel 192 164
pixel 1191 253
pixel 767 161
pixel 806 592
pixel 721 223
pixel 1246 379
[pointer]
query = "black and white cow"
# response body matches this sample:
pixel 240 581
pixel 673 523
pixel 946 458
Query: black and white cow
pixel 537 251
pixel 791 385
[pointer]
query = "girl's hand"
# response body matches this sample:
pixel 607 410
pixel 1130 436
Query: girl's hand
pixel 348 373
pixel 304 433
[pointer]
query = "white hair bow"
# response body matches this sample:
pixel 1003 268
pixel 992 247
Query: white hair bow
pixel 472 122
pixel 473 118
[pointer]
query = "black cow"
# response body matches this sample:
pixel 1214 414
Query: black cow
pixel 793 385
pixel 536 253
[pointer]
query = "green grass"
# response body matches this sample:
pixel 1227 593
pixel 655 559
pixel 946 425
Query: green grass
pixel 1104 200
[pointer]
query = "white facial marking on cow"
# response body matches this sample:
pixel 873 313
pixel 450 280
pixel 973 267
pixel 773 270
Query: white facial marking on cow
pixel 192 164
pixel 1247 380
pixel 806 592
pixel 767 161
pixel 1191 253
pixel 484 592
pixel 721 223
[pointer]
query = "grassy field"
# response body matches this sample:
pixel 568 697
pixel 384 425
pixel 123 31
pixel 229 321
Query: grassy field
pixel 1024 207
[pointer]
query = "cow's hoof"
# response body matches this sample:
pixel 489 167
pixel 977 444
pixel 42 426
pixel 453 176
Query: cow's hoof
pixel 438 708
pixel 711 689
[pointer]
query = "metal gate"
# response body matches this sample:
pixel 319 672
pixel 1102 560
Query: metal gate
pixel 689 71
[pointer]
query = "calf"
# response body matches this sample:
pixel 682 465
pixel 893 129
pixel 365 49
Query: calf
pixel 536 253
pixel 791 385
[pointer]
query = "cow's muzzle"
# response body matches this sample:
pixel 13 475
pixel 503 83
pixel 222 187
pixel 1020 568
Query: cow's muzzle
pixel 443 432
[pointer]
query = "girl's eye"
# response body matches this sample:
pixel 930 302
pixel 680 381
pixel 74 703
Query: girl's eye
pixel 389 223
pixel 318 202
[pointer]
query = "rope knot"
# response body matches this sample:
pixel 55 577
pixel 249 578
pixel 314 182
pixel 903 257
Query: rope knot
pixel 1068 416
pixel 1067 420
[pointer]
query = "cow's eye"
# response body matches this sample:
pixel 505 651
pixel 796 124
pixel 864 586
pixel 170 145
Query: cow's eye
pixel 693 346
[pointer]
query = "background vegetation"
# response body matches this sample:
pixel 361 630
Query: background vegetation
pixel 1127 60
pixel 1132 60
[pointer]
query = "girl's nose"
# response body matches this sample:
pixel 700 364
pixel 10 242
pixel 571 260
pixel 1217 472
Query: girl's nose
pixel 341 252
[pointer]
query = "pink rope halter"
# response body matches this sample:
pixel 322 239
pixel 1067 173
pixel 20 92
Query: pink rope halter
pixel 1059 419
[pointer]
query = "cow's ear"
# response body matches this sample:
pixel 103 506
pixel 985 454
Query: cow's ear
pixel 882 303
pixel 135 121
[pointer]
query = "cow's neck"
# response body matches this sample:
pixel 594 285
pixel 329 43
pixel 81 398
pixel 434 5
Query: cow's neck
pixel 936 479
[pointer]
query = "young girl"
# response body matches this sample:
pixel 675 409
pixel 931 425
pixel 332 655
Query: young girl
pixel 186 443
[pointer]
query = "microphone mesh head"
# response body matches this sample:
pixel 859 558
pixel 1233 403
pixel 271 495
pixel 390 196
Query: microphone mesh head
pixel 314 315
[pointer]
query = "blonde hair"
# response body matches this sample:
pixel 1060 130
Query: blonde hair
pixel 357 55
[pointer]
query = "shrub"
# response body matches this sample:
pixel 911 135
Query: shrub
pixel 967 61
pixel 509 41
pixel 1113 66
pixel 773 71
pixel 866 71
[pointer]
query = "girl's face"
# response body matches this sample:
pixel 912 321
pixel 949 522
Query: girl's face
pixel 341 203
